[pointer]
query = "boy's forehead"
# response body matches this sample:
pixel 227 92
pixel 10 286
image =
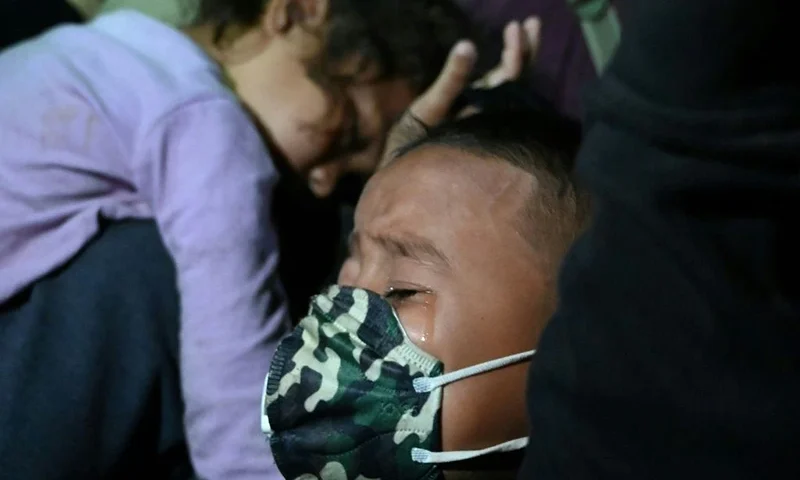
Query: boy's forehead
pixel 461 206
pixel 441 173
pixel 440 162
pixel 410 182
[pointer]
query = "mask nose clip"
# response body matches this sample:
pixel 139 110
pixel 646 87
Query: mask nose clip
pixel 266 428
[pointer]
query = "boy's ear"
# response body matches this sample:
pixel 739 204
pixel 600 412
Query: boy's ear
pixel 282 15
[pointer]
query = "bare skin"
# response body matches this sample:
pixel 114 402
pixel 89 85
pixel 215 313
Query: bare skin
pixel 267 68
pixel 266 64
pixel 437 233
pixel 520 48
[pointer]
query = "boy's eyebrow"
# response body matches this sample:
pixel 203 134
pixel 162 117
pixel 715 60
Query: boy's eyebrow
pixel 413 247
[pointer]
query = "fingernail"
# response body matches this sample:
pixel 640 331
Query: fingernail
pixel 316 176
pixel 465 48
pixel 532 25
pixel 320 184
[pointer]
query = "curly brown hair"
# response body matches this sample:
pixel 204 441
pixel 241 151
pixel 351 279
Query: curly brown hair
pixel 395 39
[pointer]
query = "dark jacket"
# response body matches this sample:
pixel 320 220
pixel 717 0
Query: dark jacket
pixel 675 352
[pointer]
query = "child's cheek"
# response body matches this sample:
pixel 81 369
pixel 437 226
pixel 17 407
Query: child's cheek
pixel 301 145
pixel 309 135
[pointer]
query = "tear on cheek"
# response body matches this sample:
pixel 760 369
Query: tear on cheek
pixel 419 321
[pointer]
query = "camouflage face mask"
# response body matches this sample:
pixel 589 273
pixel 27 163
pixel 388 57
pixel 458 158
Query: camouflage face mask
pixel 350 397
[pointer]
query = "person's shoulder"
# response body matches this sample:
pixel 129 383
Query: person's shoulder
pixel 157 63
pixel 120 61
pixel 133 70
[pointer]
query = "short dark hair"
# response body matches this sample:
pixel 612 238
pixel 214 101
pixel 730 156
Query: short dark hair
pixel 540 142
pixel 407 39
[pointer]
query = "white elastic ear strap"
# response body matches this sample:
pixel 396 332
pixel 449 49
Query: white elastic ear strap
pixel 420 455
pixel 429 384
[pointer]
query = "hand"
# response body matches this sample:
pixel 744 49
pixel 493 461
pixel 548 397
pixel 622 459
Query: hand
pixel 432 107
pixel 520 46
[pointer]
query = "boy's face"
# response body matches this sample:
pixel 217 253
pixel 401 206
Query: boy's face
pixel 321 135
pixel 437 233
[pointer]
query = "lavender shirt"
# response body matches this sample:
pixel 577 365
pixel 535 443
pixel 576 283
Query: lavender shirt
pixel 127 118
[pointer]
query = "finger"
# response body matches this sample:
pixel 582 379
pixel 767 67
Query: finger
pixel 469 111
pixel 514 48
pixel 404 132
pixel 434 105
pixel 533 37
pixel 514 57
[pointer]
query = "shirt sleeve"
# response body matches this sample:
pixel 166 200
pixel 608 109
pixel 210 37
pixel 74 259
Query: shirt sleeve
pixel 673 352
pixel 210 180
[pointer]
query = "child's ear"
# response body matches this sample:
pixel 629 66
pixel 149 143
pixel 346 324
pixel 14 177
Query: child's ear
pixel 282 15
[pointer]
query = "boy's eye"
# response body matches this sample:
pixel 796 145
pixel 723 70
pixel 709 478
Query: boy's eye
pixel 400 296
pixel 400 293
